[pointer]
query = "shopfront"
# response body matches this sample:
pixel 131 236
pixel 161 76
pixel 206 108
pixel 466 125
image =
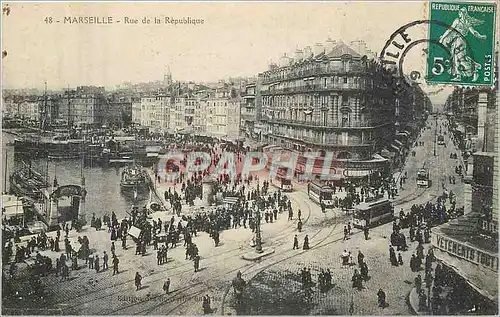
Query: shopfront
pixel 471 262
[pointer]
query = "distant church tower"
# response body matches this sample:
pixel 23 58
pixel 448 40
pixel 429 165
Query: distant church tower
pixel 167 77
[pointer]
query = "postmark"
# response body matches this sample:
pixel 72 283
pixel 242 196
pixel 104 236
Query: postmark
pixel 411 36
pixel 466 50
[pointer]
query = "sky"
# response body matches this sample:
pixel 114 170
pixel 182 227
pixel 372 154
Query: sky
pixel 236 39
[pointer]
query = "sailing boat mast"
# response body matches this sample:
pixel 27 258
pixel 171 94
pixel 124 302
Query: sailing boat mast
pixel 43 112
pixel 5 173
pixel 69 110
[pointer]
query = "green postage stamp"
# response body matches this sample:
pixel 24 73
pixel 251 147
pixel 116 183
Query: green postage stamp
pixel 462 41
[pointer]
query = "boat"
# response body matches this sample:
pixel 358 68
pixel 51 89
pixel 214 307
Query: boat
pixel 28 182
pixel 134 179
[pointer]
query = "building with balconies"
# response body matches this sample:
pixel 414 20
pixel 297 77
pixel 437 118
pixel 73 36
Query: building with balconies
pixel 250 110
pixel 83 105
pixel 330 98
pixel 223 114
pixel 153 112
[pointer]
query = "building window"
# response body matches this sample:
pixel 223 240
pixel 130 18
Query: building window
pixel 345 80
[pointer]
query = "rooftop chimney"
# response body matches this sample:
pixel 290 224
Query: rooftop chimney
pixel 284 61
pixel 329 45
pixel 298 55
pixel 318 49
pixel 307 52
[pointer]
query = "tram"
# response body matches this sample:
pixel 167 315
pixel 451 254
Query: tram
pixel 440 140
pixel 285 183
pixel 320 194
pixel 373 213
pixel 423 178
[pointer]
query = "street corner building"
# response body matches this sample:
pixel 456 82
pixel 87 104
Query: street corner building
pixel 337 98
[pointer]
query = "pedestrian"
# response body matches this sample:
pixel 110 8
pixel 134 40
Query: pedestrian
pixel 64 272
pixel 418 283
pixel 364 271
pixel 105 261
pixel 96 264
pixel 299 226
pixel 366 232
pixel 413 263
pixel 361 257
pixel 381 299
pixel 357 281
pixel 206 305
pixel 138 280
pixel 197 263
pixel 400 259
pixel 166 286
pixel 346 232
pixel 115 264
pixel 305 246
pixel 295 243
pixel 300 214
pixel 113 248
pixel 392 256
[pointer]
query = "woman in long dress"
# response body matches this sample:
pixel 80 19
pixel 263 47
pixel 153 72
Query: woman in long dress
pixel 455 39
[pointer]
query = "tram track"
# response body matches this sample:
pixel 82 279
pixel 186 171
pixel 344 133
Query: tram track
pixel 295 254
pixel 250 266
pixel 227 255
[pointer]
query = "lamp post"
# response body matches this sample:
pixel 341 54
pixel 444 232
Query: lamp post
pixel 258 238
pixel 435 141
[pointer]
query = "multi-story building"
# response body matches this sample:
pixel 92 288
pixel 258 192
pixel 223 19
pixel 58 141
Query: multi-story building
pixel 119 111
pixel 153 112
pixel 136 111
pixel 183 113
pixel 330 98
pixel 85 105
pixel 29 109
pixel 468 245
pixel 22 107
pixel 223 114
pixel 410 113
pixel 250 110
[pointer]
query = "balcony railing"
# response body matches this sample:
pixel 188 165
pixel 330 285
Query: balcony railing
pixel 317 71
pixel 321 125
pixel 319 140
pixel 309 88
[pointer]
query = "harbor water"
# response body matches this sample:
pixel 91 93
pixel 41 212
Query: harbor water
pixel 102 184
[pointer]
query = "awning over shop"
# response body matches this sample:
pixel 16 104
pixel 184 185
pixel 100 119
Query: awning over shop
pixel 473 256
pixel 478 278
pixel 357 174
pixel 405 133
pixel 270 147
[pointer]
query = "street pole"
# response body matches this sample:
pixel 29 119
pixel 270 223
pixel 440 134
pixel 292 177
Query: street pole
pixel 435 145
pixel 258 238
